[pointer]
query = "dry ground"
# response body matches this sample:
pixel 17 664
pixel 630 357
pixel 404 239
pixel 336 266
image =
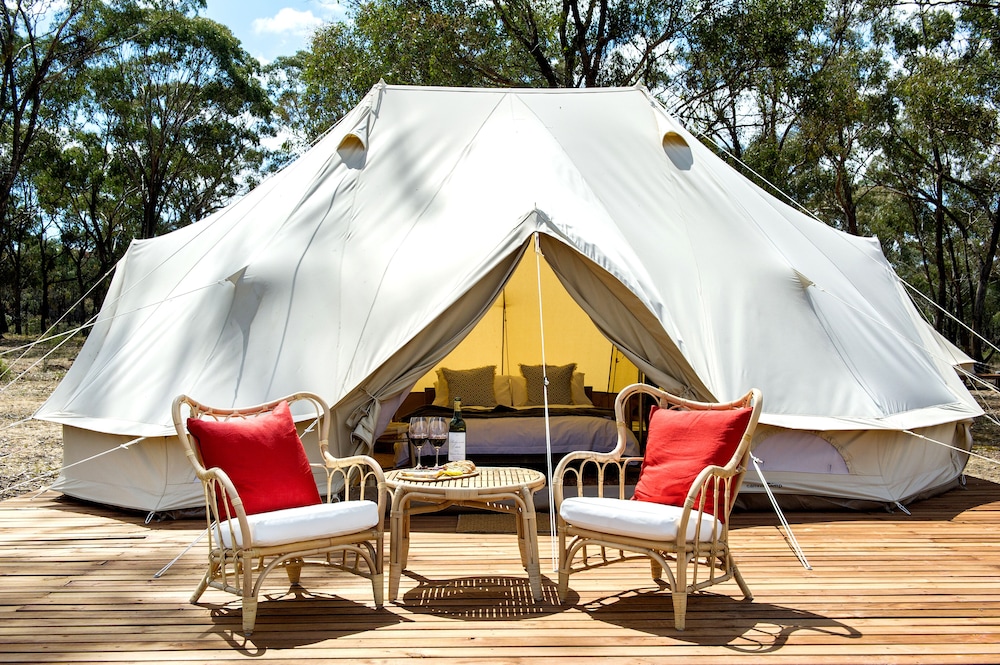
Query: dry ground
pixel 31 451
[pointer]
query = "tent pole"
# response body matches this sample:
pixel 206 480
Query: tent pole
pixel 545 405
pixel 790 537
pixel 504 360
pixel 611 368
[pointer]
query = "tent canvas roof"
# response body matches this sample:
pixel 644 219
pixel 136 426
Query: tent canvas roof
pixel 362 264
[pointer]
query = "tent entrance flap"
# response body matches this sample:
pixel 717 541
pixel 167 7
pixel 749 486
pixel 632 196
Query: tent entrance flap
pixel 362 409
pixel 507 335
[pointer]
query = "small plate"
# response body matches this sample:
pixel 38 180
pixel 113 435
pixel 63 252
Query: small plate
pixel 430 476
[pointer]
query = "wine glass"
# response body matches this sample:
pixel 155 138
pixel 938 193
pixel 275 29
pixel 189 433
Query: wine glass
pixel 438 435
pixel 418 432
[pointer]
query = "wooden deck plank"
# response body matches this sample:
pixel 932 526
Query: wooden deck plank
pixel 77 585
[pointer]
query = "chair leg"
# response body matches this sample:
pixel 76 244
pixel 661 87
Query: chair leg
pixel 564 563
pixel 747 595
pixel 680 608
pixel 563 588
pixel 680 590
pixel 655 569
pixel 378 582
pixel 294 570
pixel 201 587
pixel 249 615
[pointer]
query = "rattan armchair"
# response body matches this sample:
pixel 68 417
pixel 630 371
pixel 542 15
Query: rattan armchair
pixel 687 537
pixel 254 528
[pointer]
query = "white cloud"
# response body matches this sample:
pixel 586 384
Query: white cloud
pixel 334 11
pixel 288 20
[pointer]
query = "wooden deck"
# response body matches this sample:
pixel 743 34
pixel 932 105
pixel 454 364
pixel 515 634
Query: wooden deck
pixel 77 586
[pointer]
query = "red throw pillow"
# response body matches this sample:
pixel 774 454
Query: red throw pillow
pixel 682 443
pixel 263 456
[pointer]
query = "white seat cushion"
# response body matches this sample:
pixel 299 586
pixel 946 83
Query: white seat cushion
pixel 637 519
pixel 323 520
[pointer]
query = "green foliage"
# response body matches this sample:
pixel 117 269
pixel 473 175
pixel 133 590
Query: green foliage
pixel 173 106
pixel 939 156
pixel 150 118
pixel 504 43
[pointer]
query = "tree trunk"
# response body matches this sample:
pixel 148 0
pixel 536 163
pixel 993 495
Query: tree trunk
pixel 45 267
pixel 939 259
pixel 983 283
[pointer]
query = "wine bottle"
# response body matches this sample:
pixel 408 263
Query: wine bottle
pixel 456 434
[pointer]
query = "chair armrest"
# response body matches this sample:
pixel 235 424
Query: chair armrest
pixel 354 460
pixel 214 477
pixel 355 471
pixel 214 480
pixel 714 492
pixel 597 467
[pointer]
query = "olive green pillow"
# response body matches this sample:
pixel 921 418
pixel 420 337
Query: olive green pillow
pixel 473 386
pixel 560 383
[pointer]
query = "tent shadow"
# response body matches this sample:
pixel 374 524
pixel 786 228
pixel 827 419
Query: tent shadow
pixel 481 598
pixel 295 618
pixel 741 626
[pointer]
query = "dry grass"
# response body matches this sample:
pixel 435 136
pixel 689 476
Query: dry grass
pixel 986 439
pixel 31 451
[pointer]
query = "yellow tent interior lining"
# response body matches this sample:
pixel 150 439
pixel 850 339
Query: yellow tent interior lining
pixel 509 334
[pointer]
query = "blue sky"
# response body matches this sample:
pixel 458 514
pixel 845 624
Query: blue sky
pixel 271 28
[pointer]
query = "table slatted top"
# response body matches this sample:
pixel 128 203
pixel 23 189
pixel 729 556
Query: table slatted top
pixel 497 478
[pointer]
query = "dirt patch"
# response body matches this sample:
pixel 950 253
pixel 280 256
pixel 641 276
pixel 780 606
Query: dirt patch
pixel 986 439
pixel 31 450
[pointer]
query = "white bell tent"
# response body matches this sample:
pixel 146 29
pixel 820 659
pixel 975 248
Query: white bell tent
pixel 355 271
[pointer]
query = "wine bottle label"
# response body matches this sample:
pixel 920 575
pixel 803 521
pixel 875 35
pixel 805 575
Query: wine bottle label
pixel 456 446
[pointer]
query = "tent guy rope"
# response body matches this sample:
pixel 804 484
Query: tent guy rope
pixel 789 535
pixel 124 446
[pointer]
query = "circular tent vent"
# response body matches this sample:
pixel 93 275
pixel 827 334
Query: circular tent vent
pixel 677 150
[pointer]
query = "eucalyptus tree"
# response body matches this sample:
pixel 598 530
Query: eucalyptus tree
pixel 745 71
pixel 499 43
pixel 44 45
pixel 183 111
pixel 791 91
pixel 589 43
pixel 842 111
pixel 93 198
pixel 941 158
pixel 440 42
pixel 160 126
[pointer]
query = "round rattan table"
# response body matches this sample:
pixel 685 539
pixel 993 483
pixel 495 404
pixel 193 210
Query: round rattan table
pixel 498 489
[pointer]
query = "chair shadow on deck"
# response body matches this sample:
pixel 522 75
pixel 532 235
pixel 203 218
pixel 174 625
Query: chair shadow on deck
pixel 294 618
pixel 481 598
pixel 749 627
